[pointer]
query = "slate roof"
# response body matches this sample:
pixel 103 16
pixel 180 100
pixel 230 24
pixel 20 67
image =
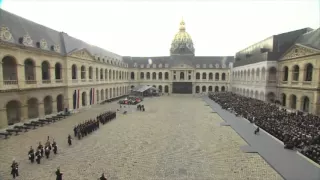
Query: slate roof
pixel 270 49
pixel 19 27
pixel 203 62
pixel 72 44
pixel 310 39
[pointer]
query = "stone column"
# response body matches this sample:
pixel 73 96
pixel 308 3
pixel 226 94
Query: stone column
pixel 24 113
pixel 21 76
pixel 1 79
pixel 54 107
pixel 3 118
pixel 41 109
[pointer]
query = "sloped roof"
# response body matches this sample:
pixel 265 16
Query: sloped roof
pixel 174 60
pixel 73 44
pixel 310 39
pixel 19 27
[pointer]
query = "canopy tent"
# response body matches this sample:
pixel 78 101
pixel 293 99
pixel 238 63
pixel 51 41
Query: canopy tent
pixel 143 88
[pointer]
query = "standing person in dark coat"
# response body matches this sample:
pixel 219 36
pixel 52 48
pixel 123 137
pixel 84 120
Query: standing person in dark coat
pixel 55 147
pixel 58 174
pixel 69 140
pixel 31 154
pixel 102 177
pixel 14 169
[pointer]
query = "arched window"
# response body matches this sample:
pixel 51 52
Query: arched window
pixel 204 76
pixel 285 73
pixel 132 75
pixel 154 75
pixel 217 76
pixel 181 75
pixel 83 72
pixel 223 76
pixel 309 71
pixel 295 73
pixel 74 71
pixel 197 75
pixel 166 75
pixel 141 75
pixel 45 70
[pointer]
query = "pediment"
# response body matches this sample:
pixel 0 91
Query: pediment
pixel 297 51
pixel 182 66
pixel 82 54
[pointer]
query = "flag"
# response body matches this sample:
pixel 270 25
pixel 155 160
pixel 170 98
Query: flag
pixel 78 99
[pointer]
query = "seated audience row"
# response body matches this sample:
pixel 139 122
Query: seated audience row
pixel 297 130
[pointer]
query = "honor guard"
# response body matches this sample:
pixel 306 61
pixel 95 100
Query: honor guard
pixel 69 140
pixel 14 169
pixel 31 154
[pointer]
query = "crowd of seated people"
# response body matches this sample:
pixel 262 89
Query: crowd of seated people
pixel 296 130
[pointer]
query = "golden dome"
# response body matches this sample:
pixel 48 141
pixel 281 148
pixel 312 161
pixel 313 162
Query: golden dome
pixel 182 35
pixel 182 39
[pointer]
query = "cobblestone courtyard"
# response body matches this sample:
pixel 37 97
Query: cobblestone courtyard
pixel 176 138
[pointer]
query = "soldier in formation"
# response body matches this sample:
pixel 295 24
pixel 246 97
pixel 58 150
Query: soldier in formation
pixel 106 117
pixel 14 169
pixel 86 128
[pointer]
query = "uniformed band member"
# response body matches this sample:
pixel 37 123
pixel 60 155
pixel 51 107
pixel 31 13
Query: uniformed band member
pixel 40 147
pixel 58 174
pixel 55 147
pixel 14 169
pixel 38 156
pixel 102 177
pixel 47 151
pixel 86 128
pixel 31 154
pixel 69 140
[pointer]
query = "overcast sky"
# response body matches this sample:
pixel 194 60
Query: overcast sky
pixel 147 28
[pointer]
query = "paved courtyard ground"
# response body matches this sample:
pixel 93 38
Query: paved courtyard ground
pixel 176 138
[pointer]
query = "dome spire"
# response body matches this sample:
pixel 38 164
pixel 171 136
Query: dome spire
pixel 182 25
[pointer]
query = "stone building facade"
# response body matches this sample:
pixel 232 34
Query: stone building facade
pixel 44 71
pixel 299 74
pixel 282 68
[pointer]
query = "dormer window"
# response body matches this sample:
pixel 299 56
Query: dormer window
pixel 198 66
pixel 223 65
pixel 148 65
pixel 230 65
pixel 217 65
pixel 210 66
pixel 142 66
pixel 154 66
pixel 204 65
pixel 160 65
pixel 166 65
pixel 135 65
